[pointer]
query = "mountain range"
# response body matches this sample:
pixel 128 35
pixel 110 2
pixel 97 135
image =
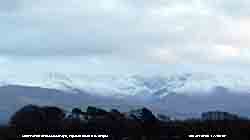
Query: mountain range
pixel 130 85
pixel 178 95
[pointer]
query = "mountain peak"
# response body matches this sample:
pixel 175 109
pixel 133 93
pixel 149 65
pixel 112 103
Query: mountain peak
pixel 142 85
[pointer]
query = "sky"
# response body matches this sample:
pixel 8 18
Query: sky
pixel 123 36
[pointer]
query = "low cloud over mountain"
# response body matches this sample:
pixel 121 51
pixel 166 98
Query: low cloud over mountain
pixel 172 95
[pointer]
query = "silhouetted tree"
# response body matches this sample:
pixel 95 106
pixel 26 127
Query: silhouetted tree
pixel 29 116
pixel 54 116
pixel 94 111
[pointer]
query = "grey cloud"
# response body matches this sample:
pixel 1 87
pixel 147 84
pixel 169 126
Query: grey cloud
pixel 128 29
pixel 231 7
pixel 9 5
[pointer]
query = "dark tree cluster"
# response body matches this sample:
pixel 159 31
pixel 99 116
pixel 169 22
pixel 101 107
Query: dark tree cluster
pixel 140 124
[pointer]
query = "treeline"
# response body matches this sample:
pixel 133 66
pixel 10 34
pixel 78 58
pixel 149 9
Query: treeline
pixel 140 124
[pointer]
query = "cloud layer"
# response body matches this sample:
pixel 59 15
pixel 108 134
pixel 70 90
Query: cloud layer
pixel 126 31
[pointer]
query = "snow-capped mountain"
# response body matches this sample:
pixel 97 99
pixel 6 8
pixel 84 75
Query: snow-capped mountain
pixel 172 94
pixel 139 85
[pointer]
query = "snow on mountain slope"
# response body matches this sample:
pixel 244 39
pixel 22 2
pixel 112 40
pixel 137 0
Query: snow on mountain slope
pixel 137 85
pixel 134 85
pixel 172 90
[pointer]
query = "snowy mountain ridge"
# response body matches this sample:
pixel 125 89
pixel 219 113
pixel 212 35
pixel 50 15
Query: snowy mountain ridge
pixel 137 85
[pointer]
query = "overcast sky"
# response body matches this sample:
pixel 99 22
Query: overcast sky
pixel 123 36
